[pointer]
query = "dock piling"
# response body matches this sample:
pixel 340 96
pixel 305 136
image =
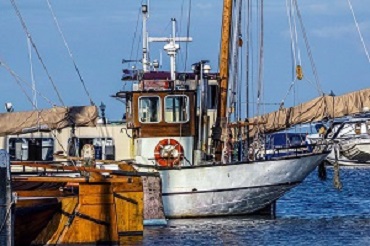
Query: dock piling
pixel 6 202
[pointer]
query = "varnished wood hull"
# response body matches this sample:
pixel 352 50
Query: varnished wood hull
pixel 31 217
pixel 103 211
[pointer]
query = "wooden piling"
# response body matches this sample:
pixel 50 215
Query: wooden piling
pixel 6 202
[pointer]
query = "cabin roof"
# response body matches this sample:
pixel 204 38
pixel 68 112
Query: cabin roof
pixel 160 75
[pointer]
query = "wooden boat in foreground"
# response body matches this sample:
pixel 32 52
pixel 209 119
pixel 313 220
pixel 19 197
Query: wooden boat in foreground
pixel 106 209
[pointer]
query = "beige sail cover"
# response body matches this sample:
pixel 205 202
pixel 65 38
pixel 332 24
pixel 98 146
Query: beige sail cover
pixel 312 111
pixel 47 119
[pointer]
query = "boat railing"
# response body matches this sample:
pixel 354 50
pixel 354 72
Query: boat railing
pixel 28 167
pixel 296 150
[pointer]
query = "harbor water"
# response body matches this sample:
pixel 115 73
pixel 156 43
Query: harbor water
pixel 313 213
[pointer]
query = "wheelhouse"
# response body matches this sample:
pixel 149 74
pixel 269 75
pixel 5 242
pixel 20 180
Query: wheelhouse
pixel 162 113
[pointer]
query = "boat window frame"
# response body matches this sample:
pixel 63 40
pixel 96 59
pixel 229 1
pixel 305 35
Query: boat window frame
pixel 187 107
pixel 212 95
pixel 96 142
pixel 159 110
pixel 26 140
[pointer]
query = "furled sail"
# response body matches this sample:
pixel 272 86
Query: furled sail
pixel 312 111
pixel 47 119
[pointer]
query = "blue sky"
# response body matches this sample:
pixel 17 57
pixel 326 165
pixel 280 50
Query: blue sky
pixel 100 34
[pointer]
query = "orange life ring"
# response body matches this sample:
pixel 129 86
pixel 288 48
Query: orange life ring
pixel 168 152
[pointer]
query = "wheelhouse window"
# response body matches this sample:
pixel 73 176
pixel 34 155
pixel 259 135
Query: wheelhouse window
pixel 149 109
pixel 31 149
pixel 176 109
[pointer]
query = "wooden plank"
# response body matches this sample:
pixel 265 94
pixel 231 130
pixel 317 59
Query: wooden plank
pixel 69 179
pixel 54 229
pixel 95 223
pixel 95 188
pixel 167 130
pixel 129 207
pixel 96 199
pixel 49 179
pixel 42 193
pixel 36 201
pixel 135 185
pixel 91 169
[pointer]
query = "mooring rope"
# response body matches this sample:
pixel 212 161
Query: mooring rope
pixel 336 179
pixel 6 215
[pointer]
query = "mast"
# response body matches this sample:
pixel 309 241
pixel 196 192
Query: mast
pixel 220 130
pixel 224 58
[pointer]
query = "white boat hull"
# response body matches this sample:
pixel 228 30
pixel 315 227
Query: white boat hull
pixel 221 190
pixel 344 161
pixel 356 149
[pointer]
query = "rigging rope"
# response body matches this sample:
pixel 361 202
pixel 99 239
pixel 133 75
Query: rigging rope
pixel 34 99
pixel 297 68
pixel 187 36
pixel 236 29
pixel 359 31
pixel 18 81
pixel 35 48
pixel 248 36
pixel 261 52
pixel 318 86
pixel 69 52
pixel 296 53
pixel 134 37
pixel 9 209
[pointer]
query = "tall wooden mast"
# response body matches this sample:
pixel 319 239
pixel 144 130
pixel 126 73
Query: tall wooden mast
pixel 224 57
pixel 220 131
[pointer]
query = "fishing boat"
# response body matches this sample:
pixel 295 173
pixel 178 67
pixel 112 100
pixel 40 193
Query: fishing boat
pixel 204 170
pixel 177 124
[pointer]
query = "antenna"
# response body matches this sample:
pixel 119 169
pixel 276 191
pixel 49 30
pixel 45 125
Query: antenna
pixel 145 61
pixel 171 47
pixel 160 59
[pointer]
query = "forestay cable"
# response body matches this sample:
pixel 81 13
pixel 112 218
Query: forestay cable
pixel 34 98
pixel 19 80
pixel 69 52
pixel 359 31
pixel 35 48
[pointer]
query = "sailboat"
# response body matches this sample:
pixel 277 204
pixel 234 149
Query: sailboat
pixel 352 137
